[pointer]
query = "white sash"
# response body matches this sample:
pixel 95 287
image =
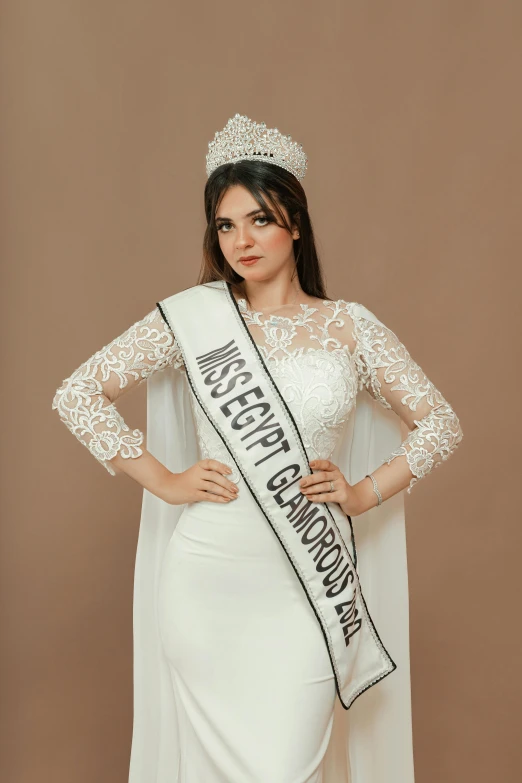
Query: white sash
pixel 235 390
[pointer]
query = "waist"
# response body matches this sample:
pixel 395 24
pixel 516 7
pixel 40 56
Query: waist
pixel 238 528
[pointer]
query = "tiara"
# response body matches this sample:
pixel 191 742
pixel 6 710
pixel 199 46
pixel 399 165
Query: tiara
pixel 244 139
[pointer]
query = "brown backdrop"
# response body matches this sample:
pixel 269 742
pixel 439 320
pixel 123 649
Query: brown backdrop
pixel 410 114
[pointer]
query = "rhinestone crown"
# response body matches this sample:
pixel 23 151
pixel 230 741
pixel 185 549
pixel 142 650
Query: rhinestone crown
pixel 244 139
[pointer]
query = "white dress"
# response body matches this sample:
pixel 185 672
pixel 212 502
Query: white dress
pixel 253 685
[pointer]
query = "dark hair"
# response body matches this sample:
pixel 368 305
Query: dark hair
pixel 272 186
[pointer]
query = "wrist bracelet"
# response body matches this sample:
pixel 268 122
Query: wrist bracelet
pixel 375 488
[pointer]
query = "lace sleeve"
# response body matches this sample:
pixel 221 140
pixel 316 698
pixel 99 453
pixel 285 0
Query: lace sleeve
pixel 85 400
pixel 396 381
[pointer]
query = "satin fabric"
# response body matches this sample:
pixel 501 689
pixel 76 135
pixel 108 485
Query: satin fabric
pixel 369 743
pixel 235 405
pixel 253 682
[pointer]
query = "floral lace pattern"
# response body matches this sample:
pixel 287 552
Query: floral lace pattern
pixel 312 369
pixel 319 358
pixel 381 357
pixel 280 332
pixel 85 401
pixel 436 435
pixel 210 444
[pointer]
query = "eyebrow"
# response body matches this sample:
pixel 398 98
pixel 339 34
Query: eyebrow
pixel 254 212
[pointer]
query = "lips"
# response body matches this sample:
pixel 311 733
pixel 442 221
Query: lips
pixel 249 260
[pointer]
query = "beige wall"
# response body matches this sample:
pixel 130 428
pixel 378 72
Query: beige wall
pixel 410 115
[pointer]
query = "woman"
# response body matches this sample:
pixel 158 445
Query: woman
pixel 268 397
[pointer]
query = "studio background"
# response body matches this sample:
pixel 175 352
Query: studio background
pixel 411 117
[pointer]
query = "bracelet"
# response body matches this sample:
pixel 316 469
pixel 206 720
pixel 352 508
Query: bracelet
pixel 375 488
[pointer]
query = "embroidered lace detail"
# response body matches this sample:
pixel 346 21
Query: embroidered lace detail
pixel 319 384
pixel 319 359
pixel 85 400
pixel 280 332
pixel 436 435
pixel 210 444
pixel 378 347
pixel 381 357
pixel 320 388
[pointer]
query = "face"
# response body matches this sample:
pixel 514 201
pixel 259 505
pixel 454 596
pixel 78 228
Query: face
pixel 245 229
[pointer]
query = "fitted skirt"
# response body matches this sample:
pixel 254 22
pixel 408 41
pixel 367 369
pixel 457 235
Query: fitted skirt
pixel 251 676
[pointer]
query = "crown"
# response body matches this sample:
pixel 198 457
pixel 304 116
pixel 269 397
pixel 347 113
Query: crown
pixel 244 139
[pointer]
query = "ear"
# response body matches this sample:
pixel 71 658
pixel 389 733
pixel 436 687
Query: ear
pixel 295 228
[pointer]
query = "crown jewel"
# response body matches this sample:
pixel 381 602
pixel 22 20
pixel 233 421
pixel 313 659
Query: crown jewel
pixel 244 139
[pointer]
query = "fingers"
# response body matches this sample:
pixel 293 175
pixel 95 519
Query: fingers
pixel 322 464
pixel 312 491
pixel 317 478
pixel 325 471
pixel 316 487
pixel 214 483
pixel 323 497
pixel 219 481
pixel 214 464
pixel 213 488
pixel 211 497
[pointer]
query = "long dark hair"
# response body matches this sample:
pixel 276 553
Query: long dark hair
pixel 272 187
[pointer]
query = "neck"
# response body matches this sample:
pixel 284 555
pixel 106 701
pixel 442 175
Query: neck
pixel 272 294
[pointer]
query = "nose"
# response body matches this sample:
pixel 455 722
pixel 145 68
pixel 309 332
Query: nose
pixel 243 238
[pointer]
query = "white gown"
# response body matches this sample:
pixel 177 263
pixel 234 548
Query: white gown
pixel 253 687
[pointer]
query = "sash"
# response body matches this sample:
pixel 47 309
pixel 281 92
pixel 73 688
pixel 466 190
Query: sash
pixel 234 388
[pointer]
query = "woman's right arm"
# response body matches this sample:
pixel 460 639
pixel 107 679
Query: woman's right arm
pixel 85 404
pixel 85 400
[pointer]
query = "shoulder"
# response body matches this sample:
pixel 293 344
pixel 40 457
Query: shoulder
pixel 178 295
pixel 357 310
pixel 199 295
pixel 345 307
pixel 200 290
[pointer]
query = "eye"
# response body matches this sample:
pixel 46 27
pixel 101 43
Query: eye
pixel 224 227
pixel 221 226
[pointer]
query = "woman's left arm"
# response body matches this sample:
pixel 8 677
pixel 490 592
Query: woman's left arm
pixel 396 381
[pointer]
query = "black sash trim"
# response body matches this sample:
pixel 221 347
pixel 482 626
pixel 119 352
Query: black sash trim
pixel 291 417
pixel 305 587
pixel 353 560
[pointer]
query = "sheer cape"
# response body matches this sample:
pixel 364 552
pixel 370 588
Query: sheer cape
pixel 372 741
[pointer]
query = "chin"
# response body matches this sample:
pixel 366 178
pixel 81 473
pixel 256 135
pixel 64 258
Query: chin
pixel 248 274
pixel 260 271
pixel 252 272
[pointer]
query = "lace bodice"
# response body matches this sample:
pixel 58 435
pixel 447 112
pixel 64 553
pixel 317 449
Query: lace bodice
pixel 319 358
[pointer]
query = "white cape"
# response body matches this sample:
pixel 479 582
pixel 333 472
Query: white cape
pixel 372 741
